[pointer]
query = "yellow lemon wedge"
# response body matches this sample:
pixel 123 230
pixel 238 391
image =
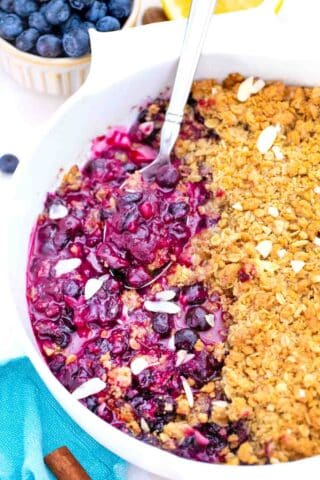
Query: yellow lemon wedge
pixel 175 9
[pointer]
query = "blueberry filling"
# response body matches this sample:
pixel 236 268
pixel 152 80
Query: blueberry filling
pixel 102 304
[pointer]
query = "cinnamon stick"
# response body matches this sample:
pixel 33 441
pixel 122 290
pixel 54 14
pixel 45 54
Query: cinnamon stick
pixel 65 466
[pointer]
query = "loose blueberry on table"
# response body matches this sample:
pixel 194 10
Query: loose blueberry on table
pixel 58 28
pixel 102 303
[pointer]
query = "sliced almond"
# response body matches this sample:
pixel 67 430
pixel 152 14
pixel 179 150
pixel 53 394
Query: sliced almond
pixel 237 206
pixel 162 307
pixel 92 286
pixel 183 357
pixel 91 387
pixel 282 252
pixel 297 265
pixel 267 137
pixel 166 295
pixel 280 298
pixel 316 190
pixel 258 85
pixel 66 265
pixel 273 211
pixel 139 364
pixel 277 152
pixel 220 403
pixel 171 343
pixel 144 426
pixel 57 211
pixel 188 391
pixel 316 241
pixel 245 89
pixel 264 248
pixel 210 319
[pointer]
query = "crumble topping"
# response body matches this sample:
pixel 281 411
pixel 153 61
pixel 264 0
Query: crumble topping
pixel 271 372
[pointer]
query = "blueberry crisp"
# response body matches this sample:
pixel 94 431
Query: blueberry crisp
pixel 184 310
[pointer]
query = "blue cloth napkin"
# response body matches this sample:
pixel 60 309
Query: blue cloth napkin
pixel 33 424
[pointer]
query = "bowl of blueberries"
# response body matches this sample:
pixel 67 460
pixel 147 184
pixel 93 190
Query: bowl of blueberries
pixel 45 44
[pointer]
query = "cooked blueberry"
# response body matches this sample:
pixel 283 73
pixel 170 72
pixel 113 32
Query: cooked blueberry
pixel 132 197
pixel 71 288
pixel 130 167
pixel 49 46
pixel 96 11
pixel 24 8
pixel 38 20
pixel 11 26
pixel 179 231
pixel 7 5
pixel 76 43
pixel 178 210
pixel 185 339
pixel 196 318
pixel 120 8
pixel 138 276
pixel 194 294
pixel 108 24
pixel 57 12
pixel 161 323
pixel 27 39
pixel 8 163
pixel 167 176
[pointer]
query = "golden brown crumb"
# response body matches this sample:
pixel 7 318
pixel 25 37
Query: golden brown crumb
pixel 271 374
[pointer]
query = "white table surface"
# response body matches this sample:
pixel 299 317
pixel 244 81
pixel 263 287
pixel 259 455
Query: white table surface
pixel 22 117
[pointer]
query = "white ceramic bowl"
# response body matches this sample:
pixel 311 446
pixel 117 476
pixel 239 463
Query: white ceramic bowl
pixel 52 76
pixel 142 66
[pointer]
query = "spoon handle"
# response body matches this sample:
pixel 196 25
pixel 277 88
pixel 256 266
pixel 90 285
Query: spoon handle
pixel 201 12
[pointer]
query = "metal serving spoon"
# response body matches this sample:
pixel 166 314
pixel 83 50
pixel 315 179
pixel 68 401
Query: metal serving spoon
pixel 197 26
pixel 196 30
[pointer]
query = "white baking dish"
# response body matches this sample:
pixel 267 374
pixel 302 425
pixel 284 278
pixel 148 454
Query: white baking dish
pixel 141 66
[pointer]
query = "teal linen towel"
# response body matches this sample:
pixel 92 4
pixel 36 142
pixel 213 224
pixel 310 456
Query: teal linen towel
pixel 32 424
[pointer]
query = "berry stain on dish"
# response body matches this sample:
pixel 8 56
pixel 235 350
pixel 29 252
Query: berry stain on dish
pixel 100 297
pixel 59 28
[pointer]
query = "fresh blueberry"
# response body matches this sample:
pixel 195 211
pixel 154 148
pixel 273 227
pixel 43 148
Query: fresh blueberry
pixel 86 25
pixel 24 8
pixel 7 5
pixel 49 46
pixel 11 26
pixel 196 318
pixel 120 8
pixel 38 21
pixel 96 11
pixel 57 12
pixel 80 4
pixel 108 24
pixel 161 323
pixel 2 15
pixel 76 43
pixel 27 39
pixel 185 339
pixel 8 163
pixel 43 8
pixel 73 22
